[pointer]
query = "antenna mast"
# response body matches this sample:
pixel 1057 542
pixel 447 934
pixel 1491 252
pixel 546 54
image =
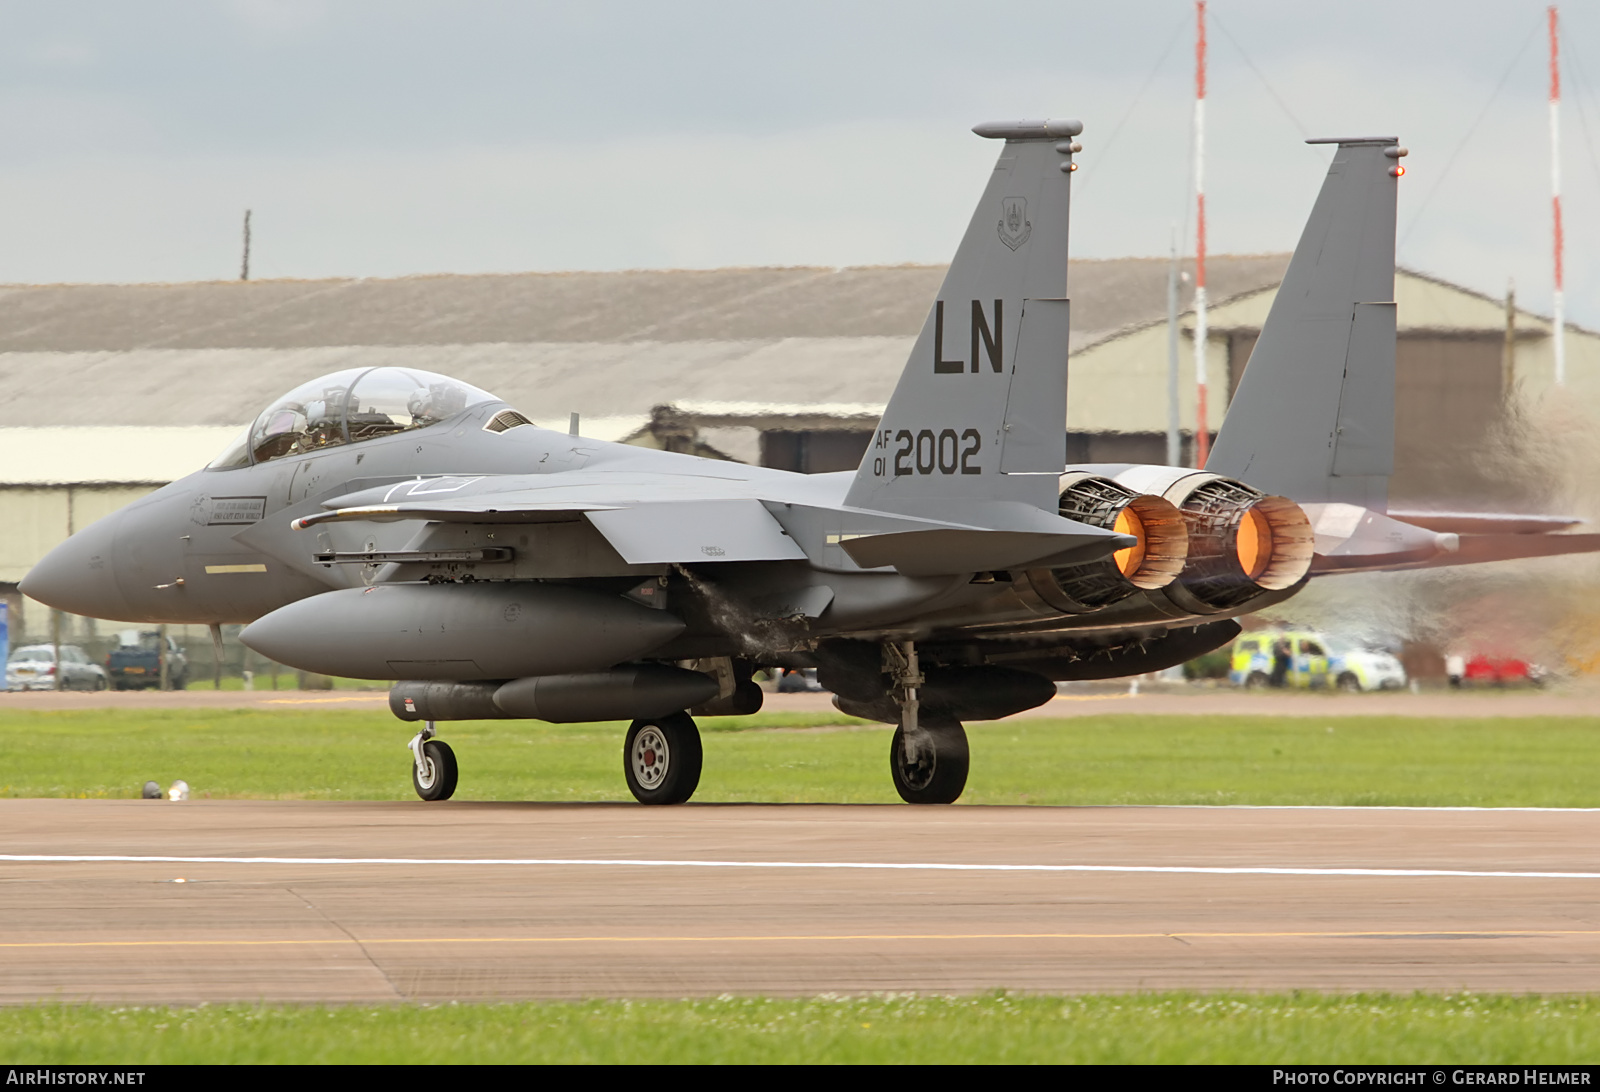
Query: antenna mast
pixel 1174 421
pixel 244 266
pixel 1560 331
pixel 1202 433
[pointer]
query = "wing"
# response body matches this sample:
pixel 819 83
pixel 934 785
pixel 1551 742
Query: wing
pixel 651 519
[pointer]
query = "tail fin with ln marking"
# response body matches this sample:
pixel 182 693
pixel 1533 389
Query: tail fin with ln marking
pixel 980 410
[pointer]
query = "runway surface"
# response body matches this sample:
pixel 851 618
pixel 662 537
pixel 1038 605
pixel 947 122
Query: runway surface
pixel 152 901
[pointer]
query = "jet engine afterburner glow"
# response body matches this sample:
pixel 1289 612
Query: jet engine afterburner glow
pixel 1151 563
pixel 1241 543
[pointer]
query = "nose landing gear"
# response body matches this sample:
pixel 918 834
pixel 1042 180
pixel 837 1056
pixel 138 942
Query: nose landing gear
pixel 433 766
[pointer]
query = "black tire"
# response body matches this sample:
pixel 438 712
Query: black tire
pixel 661 759
pixel 440 761
pixel 100 683
pixel 939 775
pixel 1257 681
pixel 1349 683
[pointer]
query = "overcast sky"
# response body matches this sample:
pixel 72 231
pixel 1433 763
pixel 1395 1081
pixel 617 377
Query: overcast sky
pixel 381 139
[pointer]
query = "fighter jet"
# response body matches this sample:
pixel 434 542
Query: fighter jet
pixel 393 524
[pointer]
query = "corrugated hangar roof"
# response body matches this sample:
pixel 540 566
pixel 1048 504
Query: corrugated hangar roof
pixel 639 305
pixel 601 344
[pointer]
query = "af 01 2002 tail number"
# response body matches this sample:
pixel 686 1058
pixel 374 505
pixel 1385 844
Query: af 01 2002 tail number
pixel 926 452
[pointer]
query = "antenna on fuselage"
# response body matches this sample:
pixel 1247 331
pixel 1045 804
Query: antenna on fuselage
pixel 572 424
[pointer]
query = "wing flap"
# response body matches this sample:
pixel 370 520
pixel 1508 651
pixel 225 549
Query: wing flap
pixel 696 531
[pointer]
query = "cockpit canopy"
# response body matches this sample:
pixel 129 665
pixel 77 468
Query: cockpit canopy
pixel 348 407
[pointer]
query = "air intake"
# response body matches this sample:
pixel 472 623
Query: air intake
pixel 505 420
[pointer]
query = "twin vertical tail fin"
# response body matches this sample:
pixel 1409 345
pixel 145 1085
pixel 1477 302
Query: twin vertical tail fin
pixel 980 410
pixel 1313 417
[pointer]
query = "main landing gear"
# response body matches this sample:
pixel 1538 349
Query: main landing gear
pixel 928 756
pixel 661 756
pixel 433 767
pixel 661 759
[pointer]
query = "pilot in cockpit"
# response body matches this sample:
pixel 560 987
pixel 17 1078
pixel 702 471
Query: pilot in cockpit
pixel 325 419
pixel 436 402
pixel 348 407
pixel 291 427
pixel 280 432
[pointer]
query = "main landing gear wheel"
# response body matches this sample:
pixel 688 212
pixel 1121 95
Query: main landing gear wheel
pixel 661 759
pixel 933 772
pixel 434 774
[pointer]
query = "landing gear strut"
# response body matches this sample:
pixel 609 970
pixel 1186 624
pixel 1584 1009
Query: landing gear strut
pixel 661 759
pixel 433 766
pixel 928 757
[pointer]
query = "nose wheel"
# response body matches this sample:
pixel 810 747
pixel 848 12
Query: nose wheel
pixel 661 759
pixel 433 766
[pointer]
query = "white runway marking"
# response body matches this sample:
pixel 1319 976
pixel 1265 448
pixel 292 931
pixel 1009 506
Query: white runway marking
pixel 1331 807
pixel 884 866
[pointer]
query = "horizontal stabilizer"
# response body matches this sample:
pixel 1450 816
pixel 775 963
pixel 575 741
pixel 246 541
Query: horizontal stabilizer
pixel 1352 539
pixel 944 551
pixel 1476 549
pixel 992 536
pixel 1485 523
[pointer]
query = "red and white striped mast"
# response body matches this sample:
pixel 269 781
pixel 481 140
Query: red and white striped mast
pixel 1202 433
pixel 1560 331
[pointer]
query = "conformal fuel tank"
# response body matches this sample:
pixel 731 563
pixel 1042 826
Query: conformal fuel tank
pixel 459 631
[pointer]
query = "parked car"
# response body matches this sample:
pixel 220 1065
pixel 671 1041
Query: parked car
pixel 1485 670
pixel 1315 661
pixel 135 664
pixel 34 668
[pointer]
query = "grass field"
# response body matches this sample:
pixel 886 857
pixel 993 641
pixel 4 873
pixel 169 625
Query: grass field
pixel 1140 1028
pixel 361 755
pixel 346 755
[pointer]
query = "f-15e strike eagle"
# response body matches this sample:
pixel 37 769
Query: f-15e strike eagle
pixel 387 523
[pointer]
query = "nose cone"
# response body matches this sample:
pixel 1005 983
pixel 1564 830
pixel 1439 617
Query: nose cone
pixel 78 576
